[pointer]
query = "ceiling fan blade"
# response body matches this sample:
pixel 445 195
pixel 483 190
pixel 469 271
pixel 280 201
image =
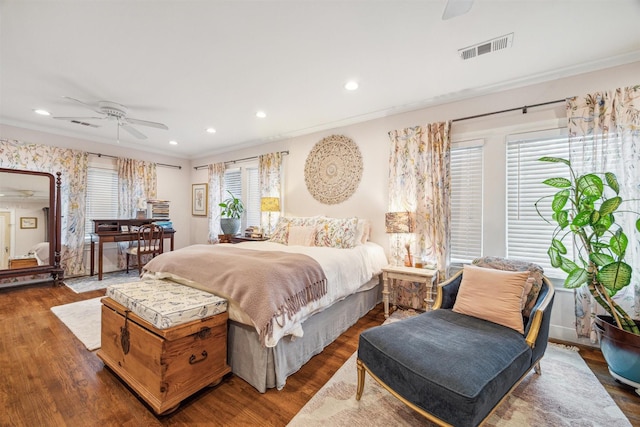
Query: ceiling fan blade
pixel 455 8
pixel 79 118
pixel 133 131
pixel 146 123
pixel 89 106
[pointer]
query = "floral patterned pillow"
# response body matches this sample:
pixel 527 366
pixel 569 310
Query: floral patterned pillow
pixel 337 232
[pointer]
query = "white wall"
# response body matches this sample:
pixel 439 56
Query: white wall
pixel 370 199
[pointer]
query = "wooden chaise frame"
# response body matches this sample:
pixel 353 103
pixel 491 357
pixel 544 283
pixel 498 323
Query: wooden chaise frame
pixel 531 337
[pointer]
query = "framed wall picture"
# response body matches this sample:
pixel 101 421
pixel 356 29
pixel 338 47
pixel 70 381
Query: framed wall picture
pixel 28 222
pixel 199 199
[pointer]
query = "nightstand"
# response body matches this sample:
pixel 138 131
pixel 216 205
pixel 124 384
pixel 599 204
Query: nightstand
pixel 392 273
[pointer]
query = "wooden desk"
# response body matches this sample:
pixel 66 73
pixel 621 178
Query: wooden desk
pixel 117 236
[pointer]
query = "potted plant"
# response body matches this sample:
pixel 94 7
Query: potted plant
pixel 231 213
pixel 584 211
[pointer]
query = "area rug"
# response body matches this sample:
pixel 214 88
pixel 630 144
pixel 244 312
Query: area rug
pixel 91 283
pixel 83 319
pixel 566 394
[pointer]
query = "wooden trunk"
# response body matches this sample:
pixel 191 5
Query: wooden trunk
pixel 164 366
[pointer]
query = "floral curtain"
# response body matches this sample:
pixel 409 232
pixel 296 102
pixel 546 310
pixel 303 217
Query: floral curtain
pixel 270 181
pixel 73 165
pixel 604 135
pixel 419 182
pixel 216 195
pixel 137 183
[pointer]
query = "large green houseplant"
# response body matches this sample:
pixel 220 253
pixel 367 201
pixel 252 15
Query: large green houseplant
pixel 585 209
pixel 231 213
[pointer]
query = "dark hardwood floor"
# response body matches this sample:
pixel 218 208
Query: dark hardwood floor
pixel 48 378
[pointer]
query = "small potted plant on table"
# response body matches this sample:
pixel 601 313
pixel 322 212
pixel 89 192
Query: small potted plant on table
pixel 232 209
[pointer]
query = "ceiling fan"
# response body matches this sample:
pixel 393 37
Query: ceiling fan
pixel 455 8
pixel 113 111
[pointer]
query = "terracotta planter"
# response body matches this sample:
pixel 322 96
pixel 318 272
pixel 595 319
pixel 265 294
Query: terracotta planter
pixel 621 350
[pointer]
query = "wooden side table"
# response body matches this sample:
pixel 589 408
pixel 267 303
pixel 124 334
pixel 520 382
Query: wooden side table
pixel 411 274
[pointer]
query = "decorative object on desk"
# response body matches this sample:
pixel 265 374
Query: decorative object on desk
pixel 28 222
pixel 408 261
pixel 399 223
pixel 333 169
pixel 232 209
pixel 270 204
pixel 253 232
pixel 583 209
pixel 199 199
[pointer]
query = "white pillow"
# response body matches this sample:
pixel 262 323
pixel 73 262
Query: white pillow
pixel 301 235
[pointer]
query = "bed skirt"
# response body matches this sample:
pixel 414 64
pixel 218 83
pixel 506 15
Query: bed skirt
pixel 265 368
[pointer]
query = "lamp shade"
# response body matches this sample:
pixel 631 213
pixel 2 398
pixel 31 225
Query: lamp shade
pixel 270 204
pixel 399 222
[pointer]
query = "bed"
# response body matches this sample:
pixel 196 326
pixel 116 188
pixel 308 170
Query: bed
pixel 262 354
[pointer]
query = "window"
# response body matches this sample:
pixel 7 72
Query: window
pixel 243 183
pixel 528 235
pixel 466 201
pixel 102 196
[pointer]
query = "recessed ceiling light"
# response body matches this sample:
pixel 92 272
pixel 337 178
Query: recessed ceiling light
pixel 261 114
pixel 351 85
pixel 42 112
pixel 172 142
pixel 211 130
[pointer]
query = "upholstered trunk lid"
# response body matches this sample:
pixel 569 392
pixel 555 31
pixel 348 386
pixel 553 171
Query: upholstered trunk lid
pixel 166 304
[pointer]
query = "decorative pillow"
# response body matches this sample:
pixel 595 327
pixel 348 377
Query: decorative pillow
pixel 337 232
pixel 363 231
pixel 535 272
pixel 281 232
pixel 492 295
pixel 301 235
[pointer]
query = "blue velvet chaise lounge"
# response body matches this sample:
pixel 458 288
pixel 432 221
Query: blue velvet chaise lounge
pixel 454 368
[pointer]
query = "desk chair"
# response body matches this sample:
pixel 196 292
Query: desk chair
pixel 149 242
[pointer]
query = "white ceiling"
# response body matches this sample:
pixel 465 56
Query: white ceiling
pixel 199 64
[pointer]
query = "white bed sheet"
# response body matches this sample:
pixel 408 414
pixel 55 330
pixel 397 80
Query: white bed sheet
pixel 347 271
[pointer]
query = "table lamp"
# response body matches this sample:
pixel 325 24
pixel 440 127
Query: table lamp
pixel 269 204
pixel 396 223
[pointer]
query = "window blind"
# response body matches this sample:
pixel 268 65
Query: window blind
pixel 528 235
pixel 253 198
pixel 102 196
pixel 466 201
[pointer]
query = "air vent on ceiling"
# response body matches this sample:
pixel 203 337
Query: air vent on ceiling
pixel 498 43
pixel 78 122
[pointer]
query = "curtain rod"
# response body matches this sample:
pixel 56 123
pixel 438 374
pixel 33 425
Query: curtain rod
pixel 115 157
pixel 524 110
pixel 230 162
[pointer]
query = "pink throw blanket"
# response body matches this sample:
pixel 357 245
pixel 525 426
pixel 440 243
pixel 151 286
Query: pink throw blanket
pixel 267 285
